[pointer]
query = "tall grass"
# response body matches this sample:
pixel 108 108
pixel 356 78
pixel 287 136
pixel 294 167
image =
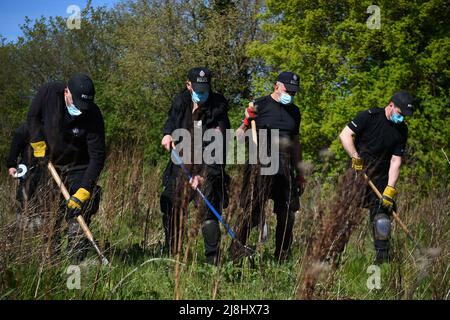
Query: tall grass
pixel 332 247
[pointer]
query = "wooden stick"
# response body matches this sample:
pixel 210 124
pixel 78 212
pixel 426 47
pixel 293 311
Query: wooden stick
pixel 394 214
pixel 254 135
pixel 79 218
pixel 253 124
pixel 262 218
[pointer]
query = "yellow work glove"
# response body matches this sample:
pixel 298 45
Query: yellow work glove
pixel 39 148
pixel 387 201
pixel 357 164
pixel 78 199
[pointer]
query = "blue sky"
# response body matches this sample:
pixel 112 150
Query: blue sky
pixel 12 13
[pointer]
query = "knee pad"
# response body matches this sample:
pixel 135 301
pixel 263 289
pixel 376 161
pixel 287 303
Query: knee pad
pixel 381 226
pixel 211 232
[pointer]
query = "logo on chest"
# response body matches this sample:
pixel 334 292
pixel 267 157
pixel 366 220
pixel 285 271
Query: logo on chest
pixel 76 132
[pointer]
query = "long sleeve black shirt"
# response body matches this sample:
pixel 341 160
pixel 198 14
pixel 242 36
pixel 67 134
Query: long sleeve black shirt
pixel 71 141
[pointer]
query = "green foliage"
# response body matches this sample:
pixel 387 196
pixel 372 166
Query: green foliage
pixel 138 270
pixel 345 67
pixel 49 51
pixel 13 96
pixel 138 54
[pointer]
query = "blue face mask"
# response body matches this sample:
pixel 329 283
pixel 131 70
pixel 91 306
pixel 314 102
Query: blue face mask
pixel 286 98
pixel 397 118
pixel 199 97
pixel 73 111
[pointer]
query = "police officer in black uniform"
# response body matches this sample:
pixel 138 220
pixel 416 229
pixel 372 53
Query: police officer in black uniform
pixel 197 107
pixel 274 111
pixel 379 145
pixel 20 153
pixel 67 128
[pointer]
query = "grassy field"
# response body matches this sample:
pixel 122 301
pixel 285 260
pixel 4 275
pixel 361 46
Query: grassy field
pixel 128 227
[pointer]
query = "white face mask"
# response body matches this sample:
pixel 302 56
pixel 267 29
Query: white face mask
pixel 73 110
pixel 286 98
pixel 396 118
pixel 199 97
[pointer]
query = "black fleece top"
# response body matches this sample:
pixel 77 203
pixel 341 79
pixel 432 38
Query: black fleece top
pixel 71 141
pixel 20 147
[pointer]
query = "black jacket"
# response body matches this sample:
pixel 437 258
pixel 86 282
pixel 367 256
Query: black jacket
pixel 71 141
pixel 213 114
pixel 20 147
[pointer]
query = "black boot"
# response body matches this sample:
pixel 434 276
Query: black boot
pixel 283 235
pixel 169 229
pixel 381 252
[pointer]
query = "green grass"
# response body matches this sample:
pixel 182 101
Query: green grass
pixel 139 270
pixel 138 274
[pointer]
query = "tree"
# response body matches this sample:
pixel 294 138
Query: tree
pixel 156 43
pixel 346 67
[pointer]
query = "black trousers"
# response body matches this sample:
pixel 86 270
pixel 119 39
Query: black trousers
pixel 29 197
pixel 78 243
pixel 258 189
pixel 35 178
pixel 379 176
pixel 174 202
pixel 381 246
pixel 41 200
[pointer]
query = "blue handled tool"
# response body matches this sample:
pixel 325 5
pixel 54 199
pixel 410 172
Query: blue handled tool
pixel 247 250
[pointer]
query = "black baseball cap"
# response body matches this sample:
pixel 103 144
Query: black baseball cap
pixel 405 101
pixel 82 89
pixel 200 78
pixel 290 80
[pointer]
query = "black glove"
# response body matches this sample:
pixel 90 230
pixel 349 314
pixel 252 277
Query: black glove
pixel 41 162
pixel 386 209
pixel 72 213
